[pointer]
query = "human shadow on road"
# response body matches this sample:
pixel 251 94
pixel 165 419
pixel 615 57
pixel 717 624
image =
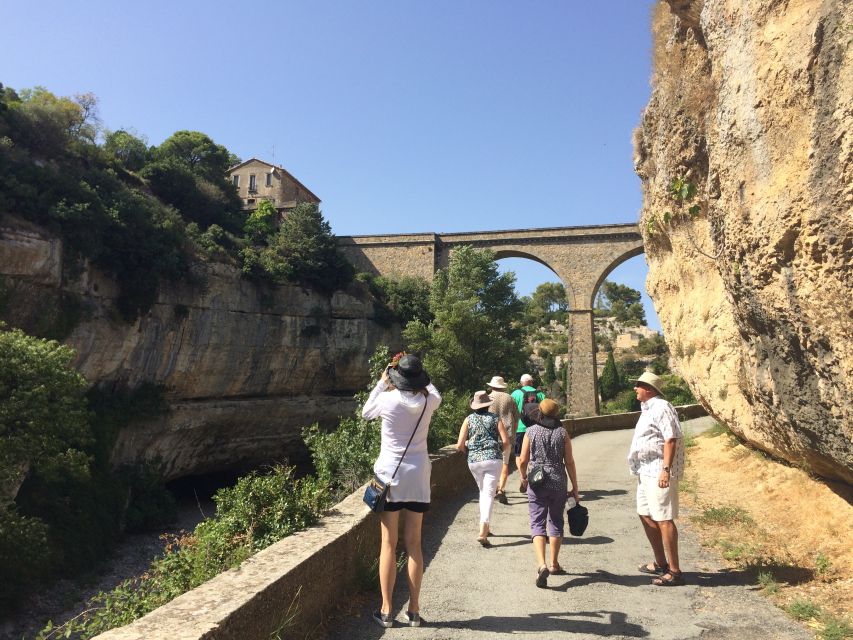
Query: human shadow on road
pixel 605 623
pixel 594 540
pixel 591 496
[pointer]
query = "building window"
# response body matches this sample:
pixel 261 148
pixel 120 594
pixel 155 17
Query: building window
pixel 236 179
pixel 253 182
pixel 269 179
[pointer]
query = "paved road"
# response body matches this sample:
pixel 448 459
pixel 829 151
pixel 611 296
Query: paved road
pixel 471 592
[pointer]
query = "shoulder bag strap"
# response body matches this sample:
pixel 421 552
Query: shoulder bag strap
pixel 400 461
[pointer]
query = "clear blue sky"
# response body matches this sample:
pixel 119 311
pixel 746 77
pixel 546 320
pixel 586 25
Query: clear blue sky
pixel 402 116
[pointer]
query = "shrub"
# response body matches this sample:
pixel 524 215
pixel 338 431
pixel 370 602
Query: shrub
pixel 258 511
pixel 24 553
pixel 624 402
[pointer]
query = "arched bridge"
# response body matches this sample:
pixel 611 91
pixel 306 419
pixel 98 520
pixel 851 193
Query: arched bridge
pixel 580 256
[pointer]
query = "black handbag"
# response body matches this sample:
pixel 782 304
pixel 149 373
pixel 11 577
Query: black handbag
pixel 536 476
pixel 376 492
pixel 578 519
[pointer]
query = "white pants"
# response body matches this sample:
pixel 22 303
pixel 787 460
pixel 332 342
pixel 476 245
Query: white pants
pixel 486 474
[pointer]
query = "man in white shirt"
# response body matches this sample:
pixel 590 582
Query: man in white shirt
pixel 657 459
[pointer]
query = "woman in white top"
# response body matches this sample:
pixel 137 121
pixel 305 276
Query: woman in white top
pixel 405 400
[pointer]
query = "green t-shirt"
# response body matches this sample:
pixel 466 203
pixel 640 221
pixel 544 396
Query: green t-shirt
pixel 518 396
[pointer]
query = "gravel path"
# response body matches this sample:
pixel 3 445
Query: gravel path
pixel 471 592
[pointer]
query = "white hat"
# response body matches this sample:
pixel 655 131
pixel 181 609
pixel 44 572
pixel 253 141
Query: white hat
pixel 497 383
pixel 653 381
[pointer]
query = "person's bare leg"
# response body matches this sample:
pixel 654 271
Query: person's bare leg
pixel 413 524
pixel 669 537
pixel 390 522
pixel 653 533
pixel 504 475
pixel 539 550
pixel 556 542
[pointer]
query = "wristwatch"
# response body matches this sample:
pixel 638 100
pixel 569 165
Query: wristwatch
pixel 666 469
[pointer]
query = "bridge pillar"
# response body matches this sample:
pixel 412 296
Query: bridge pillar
pixel 583 380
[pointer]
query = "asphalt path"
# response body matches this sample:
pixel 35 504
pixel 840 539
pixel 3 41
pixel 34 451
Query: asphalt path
pixel 473 592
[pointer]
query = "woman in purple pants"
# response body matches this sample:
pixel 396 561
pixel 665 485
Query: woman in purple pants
pixel 546 443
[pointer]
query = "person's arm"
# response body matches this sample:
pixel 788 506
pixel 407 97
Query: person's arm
pixel 503 436
pixel 433 396
pixel 668 458
pixel 463 436
pixel 523 461
pixel 569 459
pixel 671 431
pixel 373 407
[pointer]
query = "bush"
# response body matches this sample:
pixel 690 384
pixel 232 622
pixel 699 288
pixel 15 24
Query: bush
pixel 446 421
pixel 24 553
pixel 624 402
pixel 259 510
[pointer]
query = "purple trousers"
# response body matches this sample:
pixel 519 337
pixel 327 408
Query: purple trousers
pixel 546 504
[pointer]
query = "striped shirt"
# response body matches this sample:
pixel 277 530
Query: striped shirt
pixel 658 423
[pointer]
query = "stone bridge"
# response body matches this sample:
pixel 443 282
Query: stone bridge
pixel 581 257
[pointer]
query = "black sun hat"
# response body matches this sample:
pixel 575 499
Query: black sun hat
pixel 409 375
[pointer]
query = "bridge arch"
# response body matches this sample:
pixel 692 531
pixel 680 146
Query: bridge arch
pixel 581 257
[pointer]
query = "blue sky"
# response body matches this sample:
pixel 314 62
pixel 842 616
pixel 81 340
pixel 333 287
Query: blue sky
pixel 402 116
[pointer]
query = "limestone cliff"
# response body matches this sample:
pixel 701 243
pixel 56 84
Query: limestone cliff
pixel 244 367
pixel 752 103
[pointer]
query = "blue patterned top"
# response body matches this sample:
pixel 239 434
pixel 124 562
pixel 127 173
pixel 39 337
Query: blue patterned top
pixel 484 440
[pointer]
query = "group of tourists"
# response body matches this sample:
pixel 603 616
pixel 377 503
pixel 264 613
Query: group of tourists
pixel 524 425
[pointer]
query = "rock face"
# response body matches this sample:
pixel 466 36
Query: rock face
pixel 752 103
pixel 244 367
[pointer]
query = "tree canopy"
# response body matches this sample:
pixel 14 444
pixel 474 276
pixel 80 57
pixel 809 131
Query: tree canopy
pixel 622 302
pixel 476 331
pixel 548 302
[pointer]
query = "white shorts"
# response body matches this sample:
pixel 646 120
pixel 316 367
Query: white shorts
pixel 659 504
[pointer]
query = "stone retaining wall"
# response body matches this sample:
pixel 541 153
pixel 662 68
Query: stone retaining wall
pixel 579 426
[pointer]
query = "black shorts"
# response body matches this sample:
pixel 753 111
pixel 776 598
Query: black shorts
pixel 416 507
pixel 519 438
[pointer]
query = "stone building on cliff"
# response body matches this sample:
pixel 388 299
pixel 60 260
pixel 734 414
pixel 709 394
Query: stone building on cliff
pixel 257 181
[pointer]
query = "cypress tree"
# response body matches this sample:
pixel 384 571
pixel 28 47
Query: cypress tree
pixel 608 384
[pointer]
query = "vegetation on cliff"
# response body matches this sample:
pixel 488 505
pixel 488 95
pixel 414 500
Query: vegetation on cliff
pixel 144 214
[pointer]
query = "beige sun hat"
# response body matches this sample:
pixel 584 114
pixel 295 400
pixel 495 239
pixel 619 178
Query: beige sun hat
pixel 481 399
pixel 653 381
pixel 497 383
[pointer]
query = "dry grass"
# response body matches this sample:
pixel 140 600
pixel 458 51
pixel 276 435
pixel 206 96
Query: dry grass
pixel 793 530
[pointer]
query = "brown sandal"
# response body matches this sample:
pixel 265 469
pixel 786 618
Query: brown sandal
pixel 658 569
pixel 670 579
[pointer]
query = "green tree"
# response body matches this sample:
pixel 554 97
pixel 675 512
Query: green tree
pixel 475 331
pixel 43 416
pixel 198 152
pixel 609 383
pixel 261 222
pixel 550 373
pixel 304 250
pixel 622 302
pixel 130 151
pixel 548 302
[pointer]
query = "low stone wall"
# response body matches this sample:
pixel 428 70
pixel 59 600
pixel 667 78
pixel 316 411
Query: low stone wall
pixel 580 426
pixel 308 573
